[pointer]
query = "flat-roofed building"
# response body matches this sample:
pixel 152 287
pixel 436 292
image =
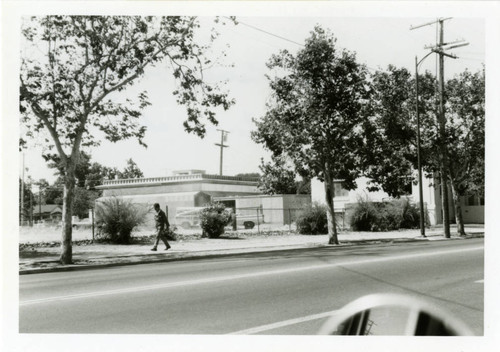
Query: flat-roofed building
pixel 186 188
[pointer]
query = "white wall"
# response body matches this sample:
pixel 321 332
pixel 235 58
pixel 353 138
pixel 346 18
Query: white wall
pixel 318 193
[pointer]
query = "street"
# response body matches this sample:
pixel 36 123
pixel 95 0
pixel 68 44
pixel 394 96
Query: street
pixel 278 293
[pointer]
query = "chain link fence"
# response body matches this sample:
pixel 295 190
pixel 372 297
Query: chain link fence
pixel 257 219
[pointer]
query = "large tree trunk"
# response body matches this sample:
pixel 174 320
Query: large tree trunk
pixel 330 213
pixel 458 210
pixel 67 228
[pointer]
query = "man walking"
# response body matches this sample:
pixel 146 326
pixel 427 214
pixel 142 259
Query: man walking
pixel 162 227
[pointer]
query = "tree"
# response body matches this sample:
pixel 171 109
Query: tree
pixel 392 132
pixel 26 205
pixel 131 170
pixel 390 148
pixel 70 89
pixel 84 200
pixel 276 177
pixel 466 138
pixel 54 193
pixel 280 178
pixel 316 114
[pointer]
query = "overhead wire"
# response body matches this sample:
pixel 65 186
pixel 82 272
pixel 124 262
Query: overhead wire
pixel 267 32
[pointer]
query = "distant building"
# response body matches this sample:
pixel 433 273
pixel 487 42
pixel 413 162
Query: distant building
pixel 47 212
pixel 186 188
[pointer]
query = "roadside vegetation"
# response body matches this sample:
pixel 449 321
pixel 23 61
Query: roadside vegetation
pixel 116 218
pixel 385 216
pixel 312 220
pixel 213 218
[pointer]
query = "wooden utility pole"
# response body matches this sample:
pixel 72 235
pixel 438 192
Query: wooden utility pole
pixel 21 216
pixel 223 138
pixel 443 167
pixel 442 137
pixel 39 202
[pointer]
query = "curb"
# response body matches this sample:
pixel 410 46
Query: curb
pixel 227 253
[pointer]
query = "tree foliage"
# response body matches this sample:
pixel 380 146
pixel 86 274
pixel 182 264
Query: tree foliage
pixel 466 138
pixel 390 150
pixel 131 170
pixel 280 178
pixel 316 114
pixel 26 200
pixel 277 178
pixel 466 134
pixel 72 68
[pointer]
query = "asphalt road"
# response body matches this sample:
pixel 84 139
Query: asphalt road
pixel 279 293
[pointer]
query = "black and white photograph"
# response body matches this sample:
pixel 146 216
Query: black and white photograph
pixel 241 176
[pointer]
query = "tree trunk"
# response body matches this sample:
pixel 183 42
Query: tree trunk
pixel 67 228
pixel 458 210
pixel 330 213
pixel 445 203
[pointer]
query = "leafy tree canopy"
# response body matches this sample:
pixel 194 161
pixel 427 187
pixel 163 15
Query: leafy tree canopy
pixel 278 177
pixel 316 113
pixel 466 133
pixel 72 67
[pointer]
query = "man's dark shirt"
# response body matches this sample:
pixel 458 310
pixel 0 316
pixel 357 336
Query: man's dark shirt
pixel 161 220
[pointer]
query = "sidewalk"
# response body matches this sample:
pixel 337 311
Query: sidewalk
pixel 34 259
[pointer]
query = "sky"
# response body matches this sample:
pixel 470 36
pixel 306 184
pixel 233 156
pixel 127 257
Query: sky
pixel 378 42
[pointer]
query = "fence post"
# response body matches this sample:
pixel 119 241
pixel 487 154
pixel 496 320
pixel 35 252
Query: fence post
pixel 234 220
pixel 92 224
pixel 289 220
pixel 258 220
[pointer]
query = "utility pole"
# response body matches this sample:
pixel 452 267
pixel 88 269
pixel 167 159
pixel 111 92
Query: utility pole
pixel 443 167
pixel 442 135
pixel 223 138
pixel 22 193
pixel 39 202
pixel 31 208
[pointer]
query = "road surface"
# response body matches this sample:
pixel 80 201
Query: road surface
pixel 279 293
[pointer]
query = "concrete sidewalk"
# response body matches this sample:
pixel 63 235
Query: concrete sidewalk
pixel 36 259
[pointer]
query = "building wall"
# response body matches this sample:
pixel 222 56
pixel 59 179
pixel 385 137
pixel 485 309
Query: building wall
pixel 342 196
pixel 473 214
pixel 195 186
pixel 186 189
pixel 276 209
pixel 273 209
pixel 473 210
pixel 292 205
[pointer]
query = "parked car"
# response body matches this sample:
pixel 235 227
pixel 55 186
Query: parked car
pixel 81 223
pixel 248 218
pixel 187 217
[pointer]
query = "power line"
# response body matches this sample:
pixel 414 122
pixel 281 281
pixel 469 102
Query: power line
pixel 267 32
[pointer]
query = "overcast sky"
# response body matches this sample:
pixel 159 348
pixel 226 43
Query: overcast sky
pixel 378 42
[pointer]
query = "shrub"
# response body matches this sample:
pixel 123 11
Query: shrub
pixel 364 216
pixel 213 218
pixel 312 220
pixel 117 217
pixel 385 216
